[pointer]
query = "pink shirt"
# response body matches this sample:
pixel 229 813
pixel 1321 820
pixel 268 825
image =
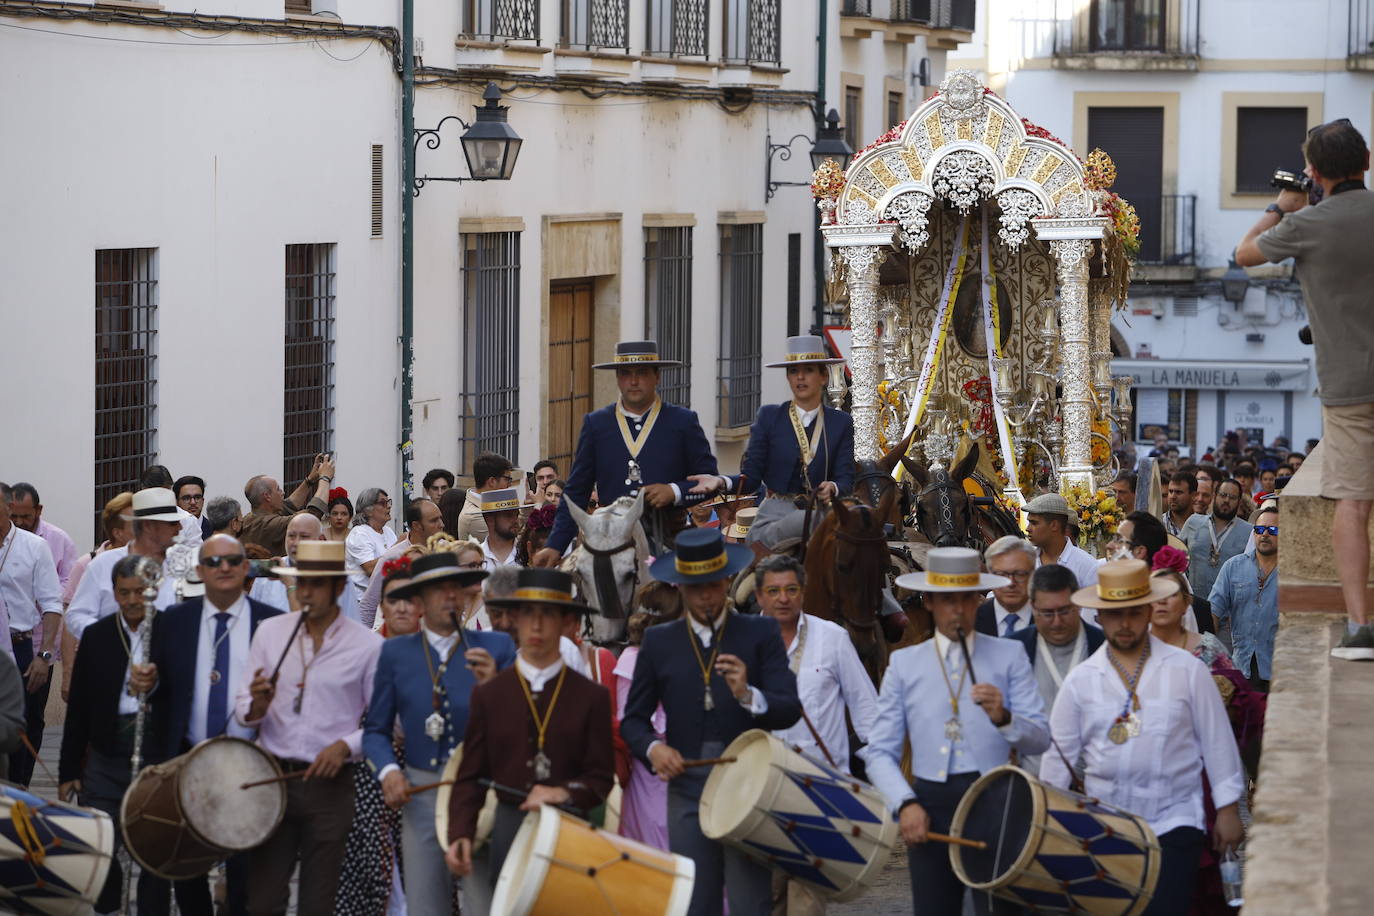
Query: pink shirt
pixel 338 687
pixel 63 549
pixel 79 570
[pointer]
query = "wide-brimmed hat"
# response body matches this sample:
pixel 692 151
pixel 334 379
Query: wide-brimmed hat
pixel 435 567
pixel 701 556
pixel 316 559
pixel 636 353
pixel 952 569
pixel 155 504
pixel 507 500
pixel 536 585
pixel 191 586
pixel 1049 504
pixel 1124 583
pixel 744 520
pixel 807 348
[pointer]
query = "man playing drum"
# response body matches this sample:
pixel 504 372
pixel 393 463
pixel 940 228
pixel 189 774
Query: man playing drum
pixel 538 732
pixel 830 679
pixel 717 674
pixel 965 701
pixel 637 443
pixel 798 450
pixel 311 682
pixel 1147 720
pixel 430 697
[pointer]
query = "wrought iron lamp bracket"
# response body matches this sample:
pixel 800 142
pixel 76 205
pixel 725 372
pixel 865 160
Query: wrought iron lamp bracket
pixel 784 152
pixel 430 135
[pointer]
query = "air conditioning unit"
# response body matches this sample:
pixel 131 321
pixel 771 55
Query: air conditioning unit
pixel 1255 304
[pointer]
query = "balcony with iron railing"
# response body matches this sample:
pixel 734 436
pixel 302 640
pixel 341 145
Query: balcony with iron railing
pixel 1126 35
pixel 1360 48
pixel 905 19
pixel 592 25
pixel 1168 232
pixel 856 7
pixel 500 20
pixel 752 32
pixel 678 28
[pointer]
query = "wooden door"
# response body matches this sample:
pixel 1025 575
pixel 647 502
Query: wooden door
pixel 570 370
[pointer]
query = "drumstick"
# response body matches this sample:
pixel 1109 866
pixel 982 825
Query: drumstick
pixel 708 761
pixel 413 790
pixel 817 735
pixel 509 790
pixel 299 620
pixel 39 760
pixel 956 840
pixel 294 774
pixel 968 659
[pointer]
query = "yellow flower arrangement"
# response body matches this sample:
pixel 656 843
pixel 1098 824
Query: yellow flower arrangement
pixel 1097 511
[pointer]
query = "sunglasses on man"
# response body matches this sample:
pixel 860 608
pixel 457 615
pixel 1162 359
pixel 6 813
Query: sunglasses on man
pixel 1267 529
pixel 233 562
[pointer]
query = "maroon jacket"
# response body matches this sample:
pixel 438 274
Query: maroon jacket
pixel 501 741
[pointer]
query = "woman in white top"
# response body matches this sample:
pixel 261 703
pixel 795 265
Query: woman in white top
pixel 369 537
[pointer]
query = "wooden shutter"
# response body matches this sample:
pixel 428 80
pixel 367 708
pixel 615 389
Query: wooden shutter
pixel 1267 139
pixel 1134 138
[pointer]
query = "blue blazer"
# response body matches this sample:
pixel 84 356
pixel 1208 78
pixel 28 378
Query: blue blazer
pixel 773 459
pixel 401 688
pixel 174 653
pixel 666 672
pixel 914 703
pixel 676 449
pixel 1028 635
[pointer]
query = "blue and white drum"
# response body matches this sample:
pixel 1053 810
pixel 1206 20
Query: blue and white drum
pixel 798 815
pixel 53 856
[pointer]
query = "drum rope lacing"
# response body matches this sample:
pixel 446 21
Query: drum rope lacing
pixel 858 788
pixel 22 815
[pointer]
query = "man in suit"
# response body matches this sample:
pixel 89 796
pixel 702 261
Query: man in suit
pixel 539 731
pixel 424 680
pixel 1008 611
pixel 797 449
pixel 200 659
pixel 958 728
pixel 716 674
pixel 98 736
pixel 638 443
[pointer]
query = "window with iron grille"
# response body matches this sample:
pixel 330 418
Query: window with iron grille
pixel 595 24
pixel 308 385
pixel 299 8
pixel 489 406
pixel 494 19
pixel 668 307
pixel 752 32
pixel 1128 25
pixel 741 323
pixel 853 115
pixel 125 369
pixel 895 103
pixel 678 28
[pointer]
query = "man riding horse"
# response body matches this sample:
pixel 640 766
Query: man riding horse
pixel 638 444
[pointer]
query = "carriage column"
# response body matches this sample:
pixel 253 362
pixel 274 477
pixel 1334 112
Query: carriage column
pixel 1070 241
pixel 863 248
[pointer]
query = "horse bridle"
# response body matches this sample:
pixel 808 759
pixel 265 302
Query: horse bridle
pixel 945 506
pixel 603 576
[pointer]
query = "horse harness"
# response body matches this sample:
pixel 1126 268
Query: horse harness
pixel 942 487
pixel 603 577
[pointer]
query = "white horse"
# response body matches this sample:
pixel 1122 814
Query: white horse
pixel 609 563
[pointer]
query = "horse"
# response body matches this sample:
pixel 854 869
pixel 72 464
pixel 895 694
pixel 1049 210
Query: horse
pixel 948 515
pixel 608 563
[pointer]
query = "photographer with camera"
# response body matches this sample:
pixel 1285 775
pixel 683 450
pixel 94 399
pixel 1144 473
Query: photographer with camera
pixel 1329 243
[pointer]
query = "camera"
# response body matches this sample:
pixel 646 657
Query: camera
pixel 1305 334
pixel 1290 181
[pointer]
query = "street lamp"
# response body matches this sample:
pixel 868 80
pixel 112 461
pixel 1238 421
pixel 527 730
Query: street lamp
pixel 490 144
pixel 829 144
pixel 1234 283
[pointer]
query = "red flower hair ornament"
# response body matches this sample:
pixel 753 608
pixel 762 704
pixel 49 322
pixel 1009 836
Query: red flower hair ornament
pixel 1171 558
pixel 399 568
pixel 337 493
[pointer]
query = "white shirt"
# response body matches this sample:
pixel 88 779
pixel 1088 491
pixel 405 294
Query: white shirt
pixel 1184 728
pixel 274 592
pixel 1075 558
pixel 128 704
pixel 28 581
pixel 239 637
pixel 94 598
pixel 537 677
pixel 573 658
pixel 363 545
pixel 634 419
pixel 829 678
pixel 491 561
pixel 807 416
pixel 1023 617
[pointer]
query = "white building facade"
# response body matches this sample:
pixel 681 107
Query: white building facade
pixel 1198 102
pixel 202 249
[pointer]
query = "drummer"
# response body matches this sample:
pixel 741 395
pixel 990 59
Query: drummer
pixel 97 737
pixel 539 731
pixel 717 674
pixel 430 698
pixel 311 682
pixel 958 727
pixel 798 450
pixel 1147 720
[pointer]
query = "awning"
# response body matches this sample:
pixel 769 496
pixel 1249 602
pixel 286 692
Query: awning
pixel 1244 375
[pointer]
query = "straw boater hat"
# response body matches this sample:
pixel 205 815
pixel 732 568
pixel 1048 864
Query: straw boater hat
pixel 744 519
pixel 1123 584
pixel 1049 504
pixel 436 567
pixel 952 569
pixel 701 556
pixel 636 353
pixel 541 586
pixel 316 559
pixel 807 348
pixel 507 500
pixel 155 504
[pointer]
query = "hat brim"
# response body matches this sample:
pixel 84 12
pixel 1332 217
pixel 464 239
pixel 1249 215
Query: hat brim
pixel 916 582
pixel 168 516
pixel 803 362
pixel 568 607
pixel 314 573
pixel 415 583
pixel 1160 589
pixel 655 363
pixel 737 557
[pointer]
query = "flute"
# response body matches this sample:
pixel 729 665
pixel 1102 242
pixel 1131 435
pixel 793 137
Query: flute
pixel 151 573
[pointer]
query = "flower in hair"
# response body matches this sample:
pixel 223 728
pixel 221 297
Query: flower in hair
pixel 1171 558
pixel 542 517
pixel 399 566
pixel 338 493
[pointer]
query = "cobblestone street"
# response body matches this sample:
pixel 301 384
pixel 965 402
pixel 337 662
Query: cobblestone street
pixel 889 895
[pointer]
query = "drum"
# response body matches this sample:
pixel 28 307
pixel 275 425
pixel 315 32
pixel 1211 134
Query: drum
pixel 183 816
pixel 485 818
pixel 560 865
pixel 798 815
pixel 54 857
pixel 1053 850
